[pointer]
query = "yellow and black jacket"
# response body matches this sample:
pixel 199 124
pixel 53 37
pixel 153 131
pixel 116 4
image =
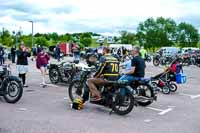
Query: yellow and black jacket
pixel 109 68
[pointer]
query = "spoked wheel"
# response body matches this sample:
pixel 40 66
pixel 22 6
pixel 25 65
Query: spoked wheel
pixel 123 104
pixel 54 75
pixel 75 90
pixel 173 87
pixel 144 94
pixel 166 90
pixel 156 62
pixel 13 90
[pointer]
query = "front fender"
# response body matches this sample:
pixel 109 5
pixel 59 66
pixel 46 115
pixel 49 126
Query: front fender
pixel 7 79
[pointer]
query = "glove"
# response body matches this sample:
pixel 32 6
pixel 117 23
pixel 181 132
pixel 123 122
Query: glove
pixel 77 104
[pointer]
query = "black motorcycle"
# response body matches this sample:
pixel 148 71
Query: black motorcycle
pixel 10 86
pixel 62 72
pixel 139 92
pixel 162 60
pixel 147 58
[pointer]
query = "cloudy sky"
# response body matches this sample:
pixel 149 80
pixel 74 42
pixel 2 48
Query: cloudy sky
pixel 101 16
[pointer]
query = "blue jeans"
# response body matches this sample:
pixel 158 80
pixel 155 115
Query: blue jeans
pixel 76 55
pixel 130 79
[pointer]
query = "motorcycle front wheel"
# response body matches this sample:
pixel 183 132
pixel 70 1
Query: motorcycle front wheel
pixel 156 62
pixel 54 75
pixel 75 90
pixel 13 89
pixel 123 104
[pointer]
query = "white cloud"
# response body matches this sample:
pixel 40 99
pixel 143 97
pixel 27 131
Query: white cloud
pixel 94 15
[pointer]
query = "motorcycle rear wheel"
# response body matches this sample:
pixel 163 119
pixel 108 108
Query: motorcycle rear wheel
pixel 145 91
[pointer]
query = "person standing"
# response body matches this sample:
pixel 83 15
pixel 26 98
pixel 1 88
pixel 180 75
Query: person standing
pixel 22 62
pixel 57 53
pixel 34 53
pixel 13 54
pixel 76 52
pixel 41 63
pixel 39 49
pixel 1 56
pixel 143 52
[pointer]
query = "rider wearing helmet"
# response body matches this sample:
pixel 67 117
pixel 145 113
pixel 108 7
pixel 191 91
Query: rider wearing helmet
pixel 108 70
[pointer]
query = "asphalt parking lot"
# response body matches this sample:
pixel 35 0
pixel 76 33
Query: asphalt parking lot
pixel 47 110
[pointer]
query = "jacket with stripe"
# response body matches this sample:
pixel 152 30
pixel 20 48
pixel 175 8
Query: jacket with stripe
pixel 109 68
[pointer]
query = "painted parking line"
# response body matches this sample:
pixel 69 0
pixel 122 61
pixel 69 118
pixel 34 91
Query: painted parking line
pixel 189 95
pixel 165 111
pixel 161 111
pixel 195 96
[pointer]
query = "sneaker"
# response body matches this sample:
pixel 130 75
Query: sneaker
pixel 25 85
pixel 43 83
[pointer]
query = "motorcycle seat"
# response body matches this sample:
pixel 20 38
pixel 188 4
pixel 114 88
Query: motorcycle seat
pixel 142 80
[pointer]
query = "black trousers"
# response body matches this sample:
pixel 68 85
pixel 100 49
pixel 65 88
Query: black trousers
pixel 23 77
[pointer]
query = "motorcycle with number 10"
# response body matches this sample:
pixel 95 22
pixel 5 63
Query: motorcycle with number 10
pixel 139 92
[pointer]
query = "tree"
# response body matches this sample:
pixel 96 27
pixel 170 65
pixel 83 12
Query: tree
pixel 86 39
pixel 157 33
pixel 128 38
pixel 6 38
pixel 54 36
pixel 42 41
pixel 27 39
pixel 187 35
pixel 65 38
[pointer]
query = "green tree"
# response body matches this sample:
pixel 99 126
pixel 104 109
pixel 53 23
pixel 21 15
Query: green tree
pixel 157 33
pixel 42 41
pixel 86 39
pixel 27 39
pixel 65 38
pixel 6 38
pixel 187 35
pixel 54 36
pixel 128 38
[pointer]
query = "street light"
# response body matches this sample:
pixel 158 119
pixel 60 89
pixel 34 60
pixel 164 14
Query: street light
pixel 32 32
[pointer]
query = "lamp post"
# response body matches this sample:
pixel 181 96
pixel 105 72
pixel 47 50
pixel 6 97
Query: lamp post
pixel 32 32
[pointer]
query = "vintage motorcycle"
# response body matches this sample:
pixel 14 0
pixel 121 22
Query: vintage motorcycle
pixel 10 86
pixel 162 60
pixel 139 92
pixel 62 72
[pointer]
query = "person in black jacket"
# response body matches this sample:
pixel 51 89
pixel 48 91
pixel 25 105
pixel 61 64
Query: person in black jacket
pixel 22 62
pixel 1 56
pixel 13 53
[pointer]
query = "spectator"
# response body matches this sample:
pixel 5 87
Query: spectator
pixel 1 56
pixel 143 52
pixel 13 54
pixel 39 49
pixel 41 63
pixel 75 50
pixel 57 53
pixel 22 62
pixel 34 52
